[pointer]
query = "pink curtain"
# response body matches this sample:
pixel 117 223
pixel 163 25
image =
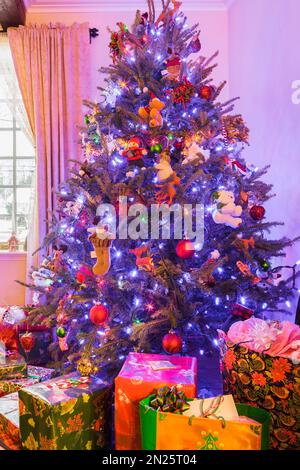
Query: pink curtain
pixel 52 66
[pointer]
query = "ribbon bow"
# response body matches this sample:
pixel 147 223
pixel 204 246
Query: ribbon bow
pixel 80 382
pixel 171 400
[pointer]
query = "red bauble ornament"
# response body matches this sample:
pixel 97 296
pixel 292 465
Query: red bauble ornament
pixel 206 92
pixel 99 314
pixel 83 274
pixel 185 249
pixel 27 341
pixel 242 312
pixel 179 144
pixel 257 212
pixel 172 343
pixel 80 277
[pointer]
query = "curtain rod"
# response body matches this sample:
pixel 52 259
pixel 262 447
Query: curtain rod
pixel 94 32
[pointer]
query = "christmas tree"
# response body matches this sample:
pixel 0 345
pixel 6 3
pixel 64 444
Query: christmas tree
pixel 159 136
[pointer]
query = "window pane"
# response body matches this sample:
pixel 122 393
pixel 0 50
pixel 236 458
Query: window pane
pixel 5 116
pixel 3 95
pixel 6 143
pixel 5 227
pixel 25 172
pixel 23 200
pixel 24 197
pixel 22 227
pixel 6 172
pixel 6 201
pixel 24 147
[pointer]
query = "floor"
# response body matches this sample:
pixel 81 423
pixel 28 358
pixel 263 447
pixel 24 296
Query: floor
pixel 209 378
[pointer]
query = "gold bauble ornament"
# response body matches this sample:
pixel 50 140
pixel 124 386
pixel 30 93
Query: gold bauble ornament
pixel 85 367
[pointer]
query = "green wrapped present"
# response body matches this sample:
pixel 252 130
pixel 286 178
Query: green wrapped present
pixel 12 367
pixel 9 422
pixel 35 375
pixel 202 426
pixel 66 413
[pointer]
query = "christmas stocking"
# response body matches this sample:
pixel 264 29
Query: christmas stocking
pixel 102 253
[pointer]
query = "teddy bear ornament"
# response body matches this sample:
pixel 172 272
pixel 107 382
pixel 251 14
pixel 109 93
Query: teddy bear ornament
pixel 151 114
pixel 225 210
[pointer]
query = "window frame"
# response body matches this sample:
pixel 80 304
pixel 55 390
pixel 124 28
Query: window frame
pixel 14 158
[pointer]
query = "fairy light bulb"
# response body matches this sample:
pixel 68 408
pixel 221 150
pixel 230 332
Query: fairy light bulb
pixel 134 273
pixel 150 307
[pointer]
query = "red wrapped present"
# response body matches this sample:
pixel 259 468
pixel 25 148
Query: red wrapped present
pixel 8 337
pixel 139 377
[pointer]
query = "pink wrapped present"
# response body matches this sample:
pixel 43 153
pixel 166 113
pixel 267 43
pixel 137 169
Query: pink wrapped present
pixel 276 338
pixel 140 375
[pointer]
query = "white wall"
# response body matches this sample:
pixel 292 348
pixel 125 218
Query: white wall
pixel 12 267
pixel 264 38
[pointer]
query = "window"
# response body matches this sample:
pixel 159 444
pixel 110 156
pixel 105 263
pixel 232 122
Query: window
pixel 17 165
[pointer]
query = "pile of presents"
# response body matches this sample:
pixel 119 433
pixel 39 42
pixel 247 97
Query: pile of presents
pixel 155 404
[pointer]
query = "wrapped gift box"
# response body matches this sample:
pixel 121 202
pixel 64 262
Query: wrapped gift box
pixel 35 375
pixel 65 413
pixel 8 336
pixel 9 421
pixel 189 431
pixel 140 375
pixel 39 354
pixel 40 373
pixel 12 366
pixel 267 382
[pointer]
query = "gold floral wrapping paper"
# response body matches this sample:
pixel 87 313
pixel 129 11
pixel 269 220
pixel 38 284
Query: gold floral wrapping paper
pixel 66 413
pixel 12 367
pixel 9 422
pixel 271 383
pixel 35 375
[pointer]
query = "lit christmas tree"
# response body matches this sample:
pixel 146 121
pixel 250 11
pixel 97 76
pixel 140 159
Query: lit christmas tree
pixel 159 135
